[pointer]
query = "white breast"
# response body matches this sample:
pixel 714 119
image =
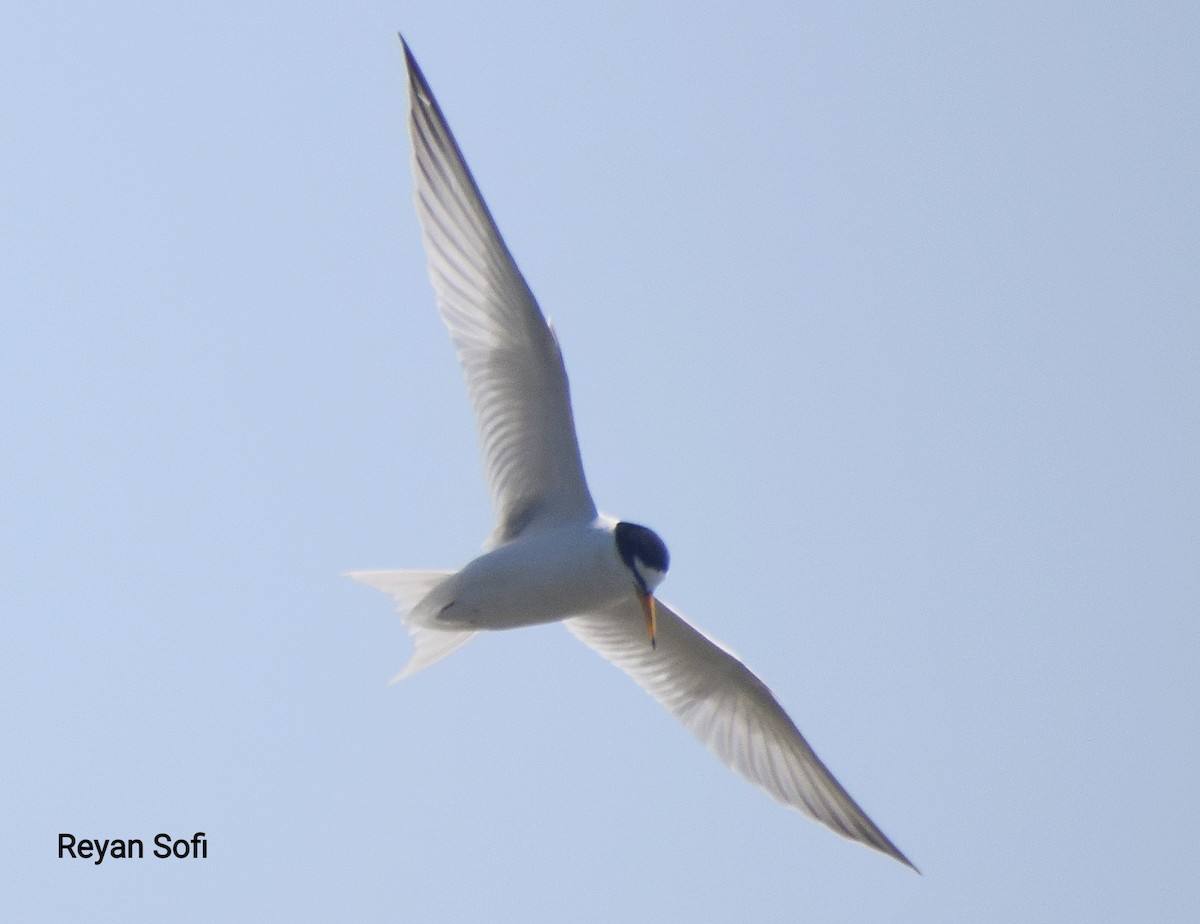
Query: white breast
pixel 545 576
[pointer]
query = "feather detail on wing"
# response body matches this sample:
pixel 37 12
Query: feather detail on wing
pixel 731 711
pixel 509 354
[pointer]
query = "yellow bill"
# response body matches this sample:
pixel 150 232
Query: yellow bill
pixel 650 608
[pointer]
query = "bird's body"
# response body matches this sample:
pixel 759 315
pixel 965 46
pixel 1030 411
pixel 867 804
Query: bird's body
pixel 542 576
pixel 552 556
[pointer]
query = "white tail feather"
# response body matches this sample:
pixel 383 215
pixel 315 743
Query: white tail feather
pixel 408 588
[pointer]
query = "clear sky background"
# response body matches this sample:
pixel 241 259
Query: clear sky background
pixel 886 316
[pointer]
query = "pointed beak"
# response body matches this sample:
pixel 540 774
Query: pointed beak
pixel 649 607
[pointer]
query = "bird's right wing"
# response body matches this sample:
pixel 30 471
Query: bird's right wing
pixel 729 709
pixel 508 352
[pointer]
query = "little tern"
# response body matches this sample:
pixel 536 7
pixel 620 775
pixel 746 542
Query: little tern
pixel 552 556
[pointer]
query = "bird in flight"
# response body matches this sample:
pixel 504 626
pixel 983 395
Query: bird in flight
pixel 552 556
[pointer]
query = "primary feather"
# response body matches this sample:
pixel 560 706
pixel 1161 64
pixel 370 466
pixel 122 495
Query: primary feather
pixel 724 704
pixel 509 354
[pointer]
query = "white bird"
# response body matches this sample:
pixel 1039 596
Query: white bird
pixel 552 556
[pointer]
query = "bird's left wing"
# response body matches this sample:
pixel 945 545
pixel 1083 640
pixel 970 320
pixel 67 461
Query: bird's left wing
pixel 509 354
pixel 729 709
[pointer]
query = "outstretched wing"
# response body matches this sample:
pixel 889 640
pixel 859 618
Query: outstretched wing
pixel 729 709
pixel 509 354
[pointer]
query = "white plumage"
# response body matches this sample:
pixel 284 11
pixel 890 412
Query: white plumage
pixel 552 556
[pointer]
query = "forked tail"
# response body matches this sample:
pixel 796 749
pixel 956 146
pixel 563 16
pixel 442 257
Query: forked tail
pixel 408 588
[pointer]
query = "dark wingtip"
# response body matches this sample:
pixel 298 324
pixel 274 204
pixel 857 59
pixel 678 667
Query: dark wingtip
pixel 416 77
pixel 408 55
pixel 895 854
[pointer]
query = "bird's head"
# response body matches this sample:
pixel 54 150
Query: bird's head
pixel 646 557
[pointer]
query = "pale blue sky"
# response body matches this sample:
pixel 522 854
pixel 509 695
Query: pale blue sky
pixel 885 316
